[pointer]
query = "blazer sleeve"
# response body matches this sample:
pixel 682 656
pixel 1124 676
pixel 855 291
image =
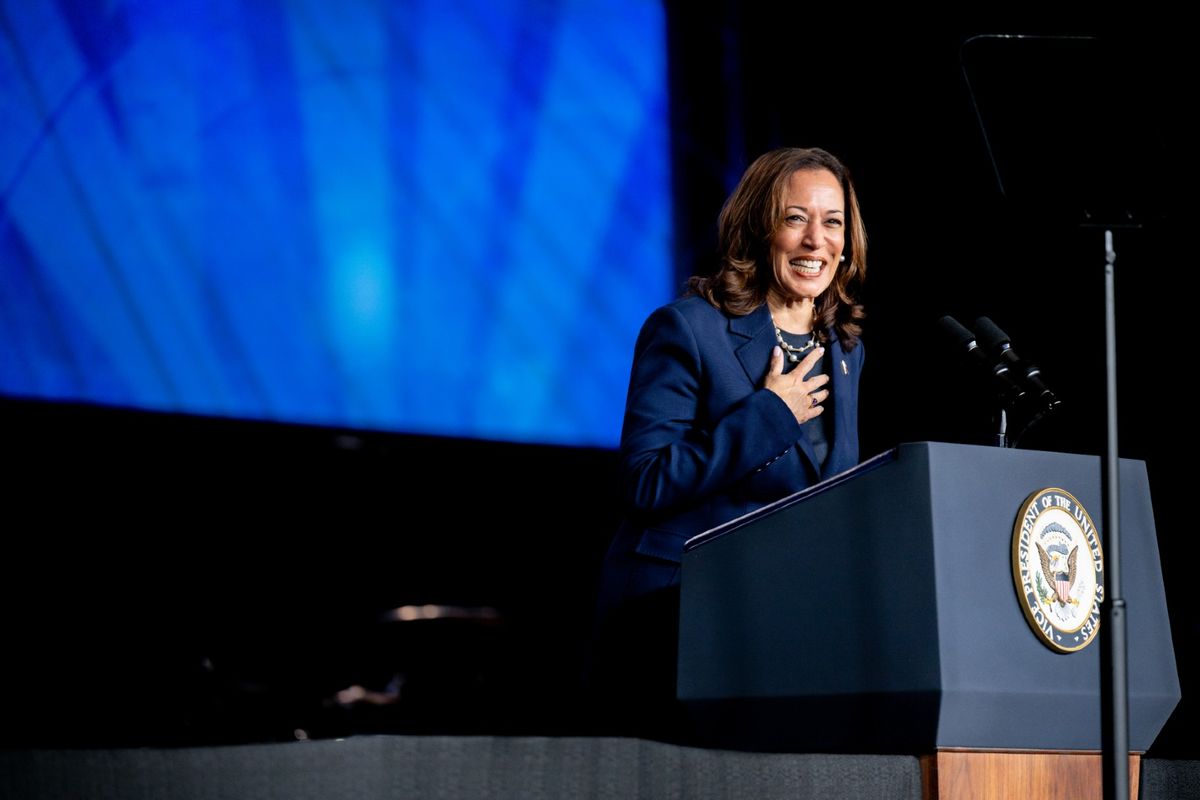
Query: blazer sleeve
pixel 672 454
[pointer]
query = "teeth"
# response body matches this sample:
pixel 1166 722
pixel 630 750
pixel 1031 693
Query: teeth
pixel 807 266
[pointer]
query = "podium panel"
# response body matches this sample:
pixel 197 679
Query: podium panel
pixel 876 612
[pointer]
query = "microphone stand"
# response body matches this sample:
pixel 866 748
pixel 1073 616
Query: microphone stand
pixel 1114 679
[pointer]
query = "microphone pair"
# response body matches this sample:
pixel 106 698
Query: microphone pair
pixel 1013 378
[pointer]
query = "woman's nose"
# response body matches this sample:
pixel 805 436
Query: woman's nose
pixel 814 234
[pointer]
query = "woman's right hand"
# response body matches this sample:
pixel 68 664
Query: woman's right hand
pixel 803 397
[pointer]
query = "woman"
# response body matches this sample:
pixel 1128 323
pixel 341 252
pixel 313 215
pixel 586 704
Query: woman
pixel 742 392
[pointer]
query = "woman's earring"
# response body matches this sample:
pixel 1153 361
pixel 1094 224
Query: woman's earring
pixel 842 257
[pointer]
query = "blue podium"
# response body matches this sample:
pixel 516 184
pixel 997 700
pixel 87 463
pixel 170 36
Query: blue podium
pixel 877 612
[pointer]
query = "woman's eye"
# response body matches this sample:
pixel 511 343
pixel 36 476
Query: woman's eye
pixel 837 223
pixel 795 218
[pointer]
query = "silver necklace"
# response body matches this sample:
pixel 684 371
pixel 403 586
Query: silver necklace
pixel 793 352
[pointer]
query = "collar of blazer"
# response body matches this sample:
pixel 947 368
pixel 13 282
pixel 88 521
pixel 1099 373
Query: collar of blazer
pixel 757 337
pixel 759 333
pixel 755 353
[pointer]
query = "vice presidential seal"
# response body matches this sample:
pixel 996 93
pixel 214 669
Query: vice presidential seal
pixel 1058 569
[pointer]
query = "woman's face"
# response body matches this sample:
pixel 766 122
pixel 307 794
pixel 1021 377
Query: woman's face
pixel 806 249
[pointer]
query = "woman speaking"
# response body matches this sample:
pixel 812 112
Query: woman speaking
pixel 742 392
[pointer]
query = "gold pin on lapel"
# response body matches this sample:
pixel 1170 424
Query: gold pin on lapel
pixel 844 370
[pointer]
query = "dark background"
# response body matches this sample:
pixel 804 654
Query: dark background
pixel 172 580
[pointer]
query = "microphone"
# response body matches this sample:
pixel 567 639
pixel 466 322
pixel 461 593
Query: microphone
pixel 1003 382
pixel 1000 345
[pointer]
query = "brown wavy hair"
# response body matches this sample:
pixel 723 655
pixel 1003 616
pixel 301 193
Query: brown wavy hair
pixel 748 222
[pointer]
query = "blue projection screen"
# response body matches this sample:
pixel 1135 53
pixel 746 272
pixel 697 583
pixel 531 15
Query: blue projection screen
pixel 439 216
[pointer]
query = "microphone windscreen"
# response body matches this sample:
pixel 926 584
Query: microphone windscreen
pixel 955 331
pixel 990 336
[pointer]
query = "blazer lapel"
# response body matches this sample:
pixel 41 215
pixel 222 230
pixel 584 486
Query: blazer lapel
pixel 758 335
pixel 841 384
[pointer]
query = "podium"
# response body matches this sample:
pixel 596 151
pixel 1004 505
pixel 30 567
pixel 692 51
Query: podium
pixel 877 612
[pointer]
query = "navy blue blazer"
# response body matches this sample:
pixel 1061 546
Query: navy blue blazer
pixel 703 442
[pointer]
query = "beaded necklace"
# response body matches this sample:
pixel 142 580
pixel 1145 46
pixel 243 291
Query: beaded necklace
pixel 793 352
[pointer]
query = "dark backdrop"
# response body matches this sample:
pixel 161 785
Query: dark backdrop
pixel 171 579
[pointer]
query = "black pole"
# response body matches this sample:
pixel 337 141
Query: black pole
pixel 1115 712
